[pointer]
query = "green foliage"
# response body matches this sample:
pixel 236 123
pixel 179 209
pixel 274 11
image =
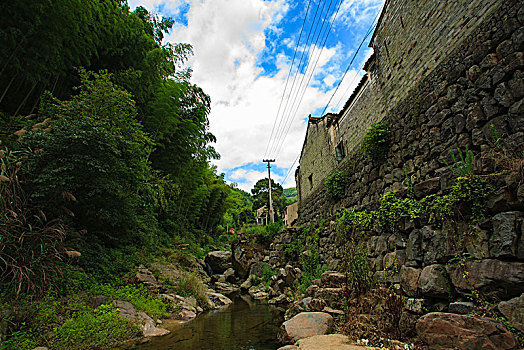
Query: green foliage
pixel 312 269
pixel 467 199
pixel 264 234
pixel 336 184
pixel 137 295
pixel 376 141
pixel 355 225
pixel 394 210
pixel 291 195
pixel 190 285
pixel 92 166
pixel 358 269
pixel 465 164
pixel 101 327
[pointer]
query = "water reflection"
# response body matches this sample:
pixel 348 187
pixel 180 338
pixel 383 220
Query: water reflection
pixel 244 325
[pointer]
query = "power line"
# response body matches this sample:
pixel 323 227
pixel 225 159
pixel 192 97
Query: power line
pixel 310 76
pixel 287 80
pixel 294 80
pixel 289 171
pixel 289 118
pixel 373 24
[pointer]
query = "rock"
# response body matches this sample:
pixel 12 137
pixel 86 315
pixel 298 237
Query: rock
pixel 415 306
pixel 503 241
pixel 258 292
pixel 229 275
pixel 239 261
pixel 288 347
pixel 219 260
pixel 97 300
pixel 226 288
pixel 218 299
pixel 73 254
pixel 329 341
pixel 128 310
pixel 433 282
pixel 332 296
pixel 513 311
pixel 124 308
pixel 246 284
pixel 425 188
pixel 494 279
pixel 185 315
pixel 332 279
pixel 281 299
pixel 409 277
pixel 461 307
pixel 304 325
pixel 451 331
pixel 331 311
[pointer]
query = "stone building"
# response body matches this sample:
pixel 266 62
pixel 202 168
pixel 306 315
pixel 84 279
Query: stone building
pixel 411 40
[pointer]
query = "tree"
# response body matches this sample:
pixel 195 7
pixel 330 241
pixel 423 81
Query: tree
pixel 91 165
pixel 260 193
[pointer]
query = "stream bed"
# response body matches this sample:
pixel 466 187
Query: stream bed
pixel 246 324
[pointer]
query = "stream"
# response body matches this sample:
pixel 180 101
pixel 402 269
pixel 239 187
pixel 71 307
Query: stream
pixel 246 324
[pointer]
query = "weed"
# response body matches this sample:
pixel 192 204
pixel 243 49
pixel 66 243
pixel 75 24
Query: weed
pixel 190 285
pixel 463 166
pixel 376 141
pixel 336 184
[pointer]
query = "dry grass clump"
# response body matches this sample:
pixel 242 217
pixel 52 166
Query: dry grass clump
pixel 374 315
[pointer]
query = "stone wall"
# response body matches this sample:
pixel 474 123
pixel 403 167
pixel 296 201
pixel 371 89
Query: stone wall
pixel 475 88
pixel 318 154
pixel 412 39
pixel 478 85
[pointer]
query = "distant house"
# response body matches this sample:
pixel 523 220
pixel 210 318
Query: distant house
pixel 290 214
pixel 262 216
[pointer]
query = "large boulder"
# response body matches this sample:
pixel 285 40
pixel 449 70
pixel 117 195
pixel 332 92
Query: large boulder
pixel 218 299
pixel 513 311
pixel 304 325
pixel 495 279
pixel 219 261
pixel 329 341
pixel 442 331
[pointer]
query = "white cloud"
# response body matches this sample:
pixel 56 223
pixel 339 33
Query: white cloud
pixel 357 11
pixel 229 39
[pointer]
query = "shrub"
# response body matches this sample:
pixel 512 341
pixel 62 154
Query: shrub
pixel 336 184
pixel 354 225
pixel 464 165
pixel 91 168
pixel 99 328
pixel 138 295
pixel 376 141
pixel 311 267
pixel 358 270
pixel 190 285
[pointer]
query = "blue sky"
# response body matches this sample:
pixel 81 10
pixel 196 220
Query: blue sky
pixel 243 56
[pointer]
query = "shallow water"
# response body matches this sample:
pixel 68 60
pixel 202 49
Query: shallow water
pixel 246 324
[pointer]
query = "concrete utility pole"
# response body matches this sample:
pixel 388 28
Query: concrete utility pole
pixel 271 213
